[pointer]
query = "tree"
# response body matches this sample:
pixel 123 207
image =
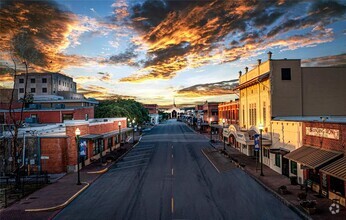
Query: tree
pixel 122 108
pixel 21 55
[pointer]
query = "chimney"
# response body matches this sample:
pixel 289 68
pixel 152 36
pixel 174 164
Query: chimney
pixel 269 55
pixel 239 73
pixel 259 62
pixel 246 69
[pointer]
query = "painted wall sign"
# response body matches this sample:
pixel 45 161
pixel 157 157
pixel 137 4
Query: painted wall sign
pixel 323 132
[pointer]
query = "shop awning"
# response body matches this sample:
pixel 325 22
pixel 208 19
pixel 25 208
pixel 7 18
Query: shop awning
pixel 312 157
pixel 280 150
pixel 91 136
pixel 336 169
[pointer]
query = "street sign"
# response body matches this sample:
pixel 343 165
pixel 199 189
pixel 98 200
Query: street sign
pixel 32 161
pixel 256 136
pixel 44 157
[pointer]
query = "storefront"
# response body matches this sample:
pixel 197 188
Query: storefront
pixel 333 180
pixel 311 159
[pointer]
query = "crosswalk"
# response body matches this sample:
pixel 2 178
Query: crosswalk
pixel 137 157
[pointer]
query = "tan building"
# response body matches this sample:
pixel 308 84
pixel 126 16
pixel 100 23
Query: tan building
pixel 47 84
pixel 282 88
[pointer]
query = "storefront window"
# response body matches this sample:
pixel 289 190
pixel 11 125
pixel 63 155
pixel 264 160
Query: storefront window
pixel 266 152
pixel 337 186
pixel 293 167
pixel 109 143
pixel 277 160
pixel 314 176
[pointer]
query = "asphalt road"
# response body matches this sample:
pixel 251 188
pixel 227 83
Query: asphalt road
pixel 166 176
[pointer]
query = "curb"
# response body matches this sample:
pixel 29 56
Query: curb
pixel 283 200
pixel 61 205
pixel 275 194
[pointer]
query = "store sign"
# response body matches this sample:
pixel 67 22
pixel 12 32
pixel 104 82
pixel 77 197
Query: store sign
pixel 323 132
pixel 226 132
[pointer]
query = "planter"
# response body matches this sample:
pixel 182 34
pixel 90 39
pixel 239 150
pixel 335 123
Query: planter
pixel 283 190
pixel 309 206
pixel 310 211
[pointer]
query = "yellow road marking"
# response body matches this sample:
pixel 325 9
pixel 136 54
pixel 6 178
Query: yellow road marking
pixel 172 205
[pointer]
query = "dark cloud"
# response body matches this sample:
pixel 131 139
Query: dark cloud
pixel 332 61
pixel 99 92
pixel 319 13
pixel 126 58
pixel 37 32
pixel 209 89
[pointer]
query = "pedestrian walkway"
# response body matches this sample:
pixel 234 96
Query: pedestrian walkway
pixel 54 195
pixel 273 180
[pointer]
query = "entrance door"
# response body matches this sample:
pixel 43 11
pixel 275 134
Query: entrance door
pixel 174 114
pixel 285 167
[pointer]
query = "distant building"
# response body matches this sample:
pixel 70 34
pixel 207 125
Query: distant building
pixel 47 84
pixel 153 112
pixel 229 112
pixel 210 112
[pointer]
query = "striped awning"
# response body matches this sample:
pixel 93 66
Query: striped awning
pixel 336 169
pixel 312 157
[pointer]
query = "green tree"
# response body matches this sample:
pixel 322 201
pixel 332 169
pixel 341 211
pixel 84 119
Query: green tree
pixel 122 108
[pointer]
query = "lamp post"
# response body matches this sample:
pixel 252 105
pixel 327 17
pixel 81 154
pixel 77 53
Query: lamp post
pixel 119 124
pixel 261 147
pixel 133 133
pixel 210 130
pixel 223 138
pixel 77 133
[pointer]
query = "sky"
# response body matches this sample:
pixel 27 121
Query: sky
pixel 153 51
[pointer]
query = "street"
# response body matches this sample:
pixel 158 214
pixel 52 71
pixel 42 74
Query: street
pixel 166 176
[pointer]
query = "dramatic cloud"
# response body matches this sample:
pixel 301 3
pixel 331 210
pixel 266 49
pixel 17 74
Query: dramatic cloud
pixel 209 89
pixel 335 60
pixel 40 31
pixel 99 92
pixel 194 33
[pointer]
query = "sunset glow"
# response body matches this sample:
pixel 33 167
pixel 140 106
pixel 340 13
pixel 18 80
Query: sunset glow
pixel 153 51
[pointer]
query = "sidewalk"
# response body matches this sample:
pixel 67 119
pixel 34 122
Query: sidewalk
pixel 58 193
pixel 273 180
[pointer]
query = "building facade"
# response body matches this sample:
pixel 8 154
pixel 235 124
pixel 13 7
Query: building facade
pixel 45 84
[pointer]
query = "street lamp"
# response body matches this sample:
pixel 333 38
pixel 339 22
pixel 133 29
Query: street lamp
pixel 77 133
pixel 119 124
pixel 133 133
pixel 261 147
pixel 210 130
pixel 223 138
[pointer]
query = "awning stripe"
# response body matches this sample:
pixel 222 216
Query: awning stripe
pixel 313 157
pixel 336 169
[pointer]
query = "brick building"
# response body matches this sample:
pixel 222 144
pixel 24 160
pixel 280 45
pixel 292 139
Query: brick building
pixel 53 148
pixel 229 111
pixel 320 161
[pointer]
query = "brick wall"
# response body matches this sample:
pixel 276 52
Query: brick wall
pixel 55 116
pixel 326 143
pixel 56 150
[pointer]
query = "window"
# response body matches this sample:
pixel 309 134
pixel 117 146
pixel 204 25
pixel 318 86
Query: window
pixel 293 167
pixel 243 115
pixel 44 90
pixel 67 117
pixel 21 90
pixel 32 90
pixel 277 160
pixel 59 82
pixel 286 73
pixel 337 186
pixel 266 152
pixel 253 114
pixel 21 80
pixel 109 143
pixel 44 80
pixel 32 80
